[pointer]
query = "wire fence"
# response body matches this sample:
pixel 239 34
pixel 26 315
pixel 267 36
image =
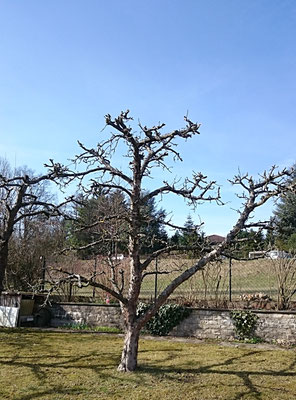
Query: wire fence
pixel 263 280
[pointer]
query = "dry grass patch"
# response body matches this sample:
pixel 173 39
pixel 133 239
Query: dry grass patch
pixel 59 366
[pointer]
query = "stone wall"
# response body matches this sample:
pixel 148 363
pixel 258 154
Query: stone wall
pixel 277 326
pixel 206 324
pixel 88 313
pixel 272 326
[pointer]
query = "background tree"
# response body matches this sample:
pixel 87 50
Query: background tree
pixel 147 150
pixel 248 241
pixel 99 228
pixel 285 217
pixel 292 243
pixel 95 228
pixel 283 238
pixel 152 223
pixel 192 238
pixel 33 243
pixel 22 197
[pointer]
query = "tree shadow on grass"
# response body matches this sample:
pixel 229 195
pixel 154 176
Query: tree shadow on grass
pixel 79 365
pixel 55 390
pixel 80 362
pixel 188 373
pixel 103 364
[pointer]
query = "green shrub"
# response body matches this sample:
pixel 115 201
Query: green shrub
pixel 167 317
pixel 244 324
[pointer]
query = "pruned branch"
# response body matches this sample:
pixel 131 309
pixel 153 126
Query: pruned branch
pixel 270 185
pixel 81 280
pixel 188 188
pixel 147 273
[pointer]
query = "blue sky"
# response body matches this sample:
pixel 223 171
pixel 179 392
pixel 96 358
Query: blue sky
pixel 65 64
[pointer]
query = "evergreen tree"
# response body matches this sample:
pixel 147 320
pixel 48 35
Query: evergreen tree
pixel 154 235
pixel 285 216
pixel 292 243
pixel 176 238
pixel 247 241
pixel 99 227
pixel 191 238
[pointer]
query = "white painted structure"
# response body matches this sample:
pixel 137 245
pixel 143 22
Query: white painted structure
pixel 9 316
pixel 275 254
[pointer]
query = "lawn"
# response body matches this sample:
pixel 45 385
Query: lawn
pixel 67 366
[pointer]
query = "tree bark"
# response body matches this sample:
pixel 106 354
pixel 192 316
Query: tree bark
pixel 3 263
pixel 129 356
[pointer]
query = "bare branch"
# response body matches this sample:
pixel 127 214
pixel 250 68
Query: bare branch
pixel 82 280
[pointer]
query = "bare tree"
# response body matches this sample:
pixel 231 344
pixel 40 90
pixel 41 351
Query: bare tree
pixel 34 242
pixel 147 150
pixel 285 272
pixel 22 197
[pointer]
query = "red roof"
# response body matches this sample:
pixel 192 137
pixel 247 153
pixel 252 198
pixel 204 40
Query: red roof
pixel 216 239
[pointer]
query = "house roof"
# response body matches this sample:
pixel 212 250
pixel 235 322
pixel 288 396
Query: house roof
pixel 215 239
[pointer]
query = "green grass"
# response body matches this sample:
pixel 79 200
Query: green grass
pixel 85 327
pixel 59 366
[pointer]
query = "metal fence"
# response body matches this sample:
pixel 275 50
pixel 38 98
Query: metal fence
pixel 226 280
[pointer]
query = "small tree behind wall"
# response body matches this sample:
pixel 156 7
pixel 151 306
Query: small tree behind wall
pixel 285 272
pixel 147 150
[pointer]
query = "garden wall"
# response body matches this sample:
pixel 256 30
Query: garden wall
pixel 217 324
pixel 272 326
pixel 86 313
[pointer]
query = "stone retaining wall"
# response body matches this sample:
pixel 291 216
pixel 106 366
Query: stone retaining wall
pixel 277 326
pixel 206 324
pixel 272 326
pixel 86 313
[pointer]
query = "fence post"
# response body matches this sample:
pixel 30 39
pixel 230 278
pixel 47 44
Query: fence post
pixel 70 291
pixel 230 279
pixel 43 271
pixel 156 278
pixel 95 272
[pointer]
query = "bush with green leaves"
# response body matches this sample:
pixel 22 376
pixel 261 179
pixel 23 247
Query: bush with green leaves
pixel 244 324
pixel 167 317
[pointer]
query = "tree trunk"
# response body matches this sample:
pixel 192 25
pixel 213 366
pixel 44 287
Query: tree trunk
pixel 129 356
pixel 3 263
